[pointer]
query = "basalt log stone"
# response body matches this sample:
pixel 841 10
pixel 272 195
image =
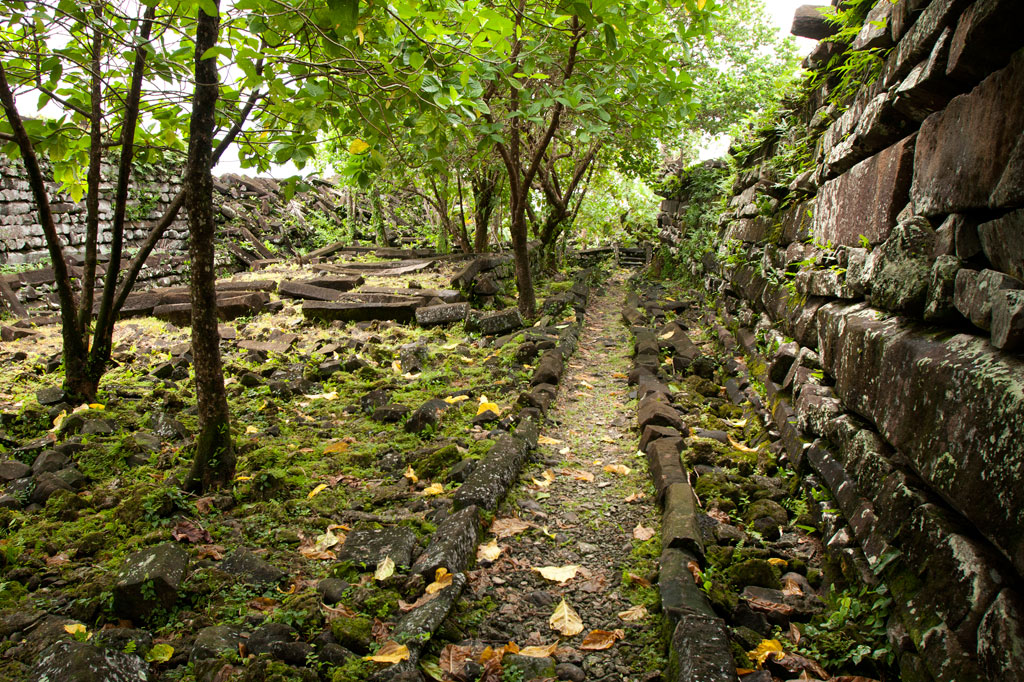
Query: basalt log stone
pixel 443 314
pixel 493 476
pixel 865 200
pixel 952 406
pixel 700 651
pixel 809 21
pixel 970 155
pixel 359 312
pixel 452 545
pixel 987 34
pixel 229 306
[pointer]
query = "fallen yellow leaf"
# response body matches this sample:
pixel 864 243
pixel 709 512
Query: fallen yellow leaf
pixel 558 574
pixel 389 652
pixel 634 613
pixel 96 406
pixel 75 629
pixel 565 620
pixel 545 440
pixel 488 407
pixel 580 475
pixel 336 447
pixel 411 475
pixel 316 491
pixel 251 429
pixel 642 533
pixel 620 469
pixel 598 640
pixel 539 651
pixel 385 569
pixel 434 489
pixel 442 579
pixel 767 647
pixel 776 561
pixel 489 552
pixel 740 446
pixel 455 399
pixel 243 478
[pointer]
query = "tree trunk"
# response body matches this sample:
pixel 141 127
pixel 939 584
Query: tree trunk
pixel 484 195
pixel 379 230
pixel 214 463
pixel 92 195
pixel 524 277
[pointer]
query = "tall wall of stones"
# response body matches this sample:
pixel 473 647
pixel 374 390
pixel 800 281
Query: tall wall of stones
pixel 882 283
pixel 21 235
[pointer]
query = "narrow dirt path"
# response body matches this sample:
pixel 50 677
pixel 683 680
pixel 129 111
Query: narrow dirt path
pixel 590 504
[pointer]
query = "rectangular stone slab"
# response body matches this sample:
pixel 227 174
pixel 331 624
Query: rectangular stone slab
pixel 452 545
pixel 679 529
pixel 309 292
pixel 700 651
pixel 954 407
pixel 358 312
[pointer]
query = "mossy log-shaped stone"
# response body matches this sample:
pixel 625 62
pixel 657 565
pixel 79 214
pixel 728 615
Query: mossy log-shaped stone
pixel 492 478
pixel 452 545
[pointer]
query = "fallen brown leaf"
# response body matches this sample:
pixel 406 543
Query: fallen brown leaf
pixel 642 533
pixel 454 658
pixel 186 531
pixel 637 580
pixel 598 640
pixel 539 651
pixel 507 527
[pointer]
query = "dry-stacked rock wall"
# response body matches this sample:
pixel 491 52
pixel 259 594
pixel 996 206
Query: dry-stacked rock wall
pixel 882 284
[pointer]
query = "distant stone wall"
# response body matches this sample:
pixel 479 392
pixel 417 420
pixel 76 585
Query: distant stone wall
pixel 882 284
pixel 21 235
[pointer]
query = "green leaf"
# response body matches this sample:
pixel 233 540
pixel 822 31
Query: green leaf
pixel 345 14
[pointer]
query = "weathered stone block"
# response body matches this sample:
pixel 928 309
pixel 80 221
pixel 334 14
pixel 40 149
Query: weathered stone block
pixel 446 313
pixel 1002 240
pixel 974 293
pixel 1001 635
pixel 1008 319
pixel 952 406
pixel 941 287
pixel 926 89
pixel 453 544
pixel 902 268
pixel 971 154
pixel 866 199
pixel 149 579
pixel 987 35
pixel 700 651
pixel 493 476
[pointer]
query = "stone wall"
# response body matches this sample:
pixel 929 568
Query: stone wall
pixel 21 235
pixel 882 284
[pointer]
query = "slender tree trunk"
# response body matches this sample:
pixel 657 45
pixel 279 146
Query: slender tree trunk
pixel 92 195
pixel 484 195
pixel 75 383
pixel 380 232
pixel 214 463
pixel 521 253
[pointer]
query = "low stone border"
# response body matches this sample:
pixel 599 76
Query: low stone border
pixel 698 644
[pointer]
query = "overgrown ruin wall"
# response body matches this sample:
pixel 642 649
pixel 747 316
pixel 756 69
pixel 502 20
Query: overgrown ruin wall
pixel 882 286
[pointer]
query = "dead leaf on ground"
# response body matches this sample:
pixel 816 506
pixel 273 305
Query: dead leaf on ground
pixel 539 651
pixel 579 475
pixel 433 489
pixel 186 531
pixel 58 559
pixel 740 446
pixel 508 526
pixel 385 569
pixel 792 588
pixel 454 658
pixel 620 469
pixel 635 496
pixel 642 533
pixel 694 568
pixel 637 580
pixel 767 648
pixel 558 574
pixel 308 549
pixel 489 552
pixel 411 475
pixel 215 552
pixel 204 505
pixel 599 640
pixel 442 579
pixel 337 611
pixel 634 613
pixel 263 603
pixel 337 447
pixel 390 652
pixel 565 620
pixel 405 606
pixel 547 440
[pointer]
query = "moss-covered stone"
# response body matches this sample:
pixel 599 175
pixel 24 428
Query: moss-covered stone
pixel 436 463
pixel 758 572
pixel 353 633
